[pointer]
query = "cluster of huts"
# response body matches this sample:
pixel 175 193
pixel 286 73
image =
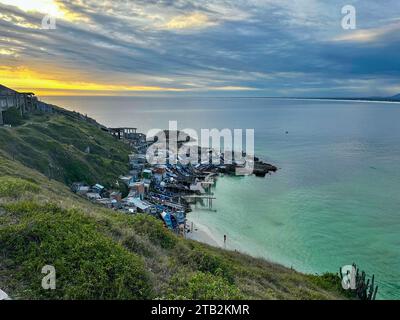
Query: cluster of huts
pixel 164 190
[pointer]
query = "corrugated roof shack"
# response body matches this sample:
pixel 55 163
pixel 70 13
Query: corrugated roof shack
pixel 141 205
pixel 123 132
pixel 159 173
pixel 138 190
pixel 80 188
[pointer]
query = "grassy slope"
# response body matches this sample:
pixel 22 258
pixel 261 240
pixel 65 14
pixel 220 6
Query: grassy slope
pixel 99 253
pixel 55 146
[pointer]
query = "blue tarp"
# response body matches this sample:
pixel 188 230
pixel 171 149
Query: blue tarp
pixel 167 219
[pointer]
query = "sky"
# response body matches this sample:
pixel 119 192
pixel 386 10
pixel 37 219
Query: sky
pixel 295 48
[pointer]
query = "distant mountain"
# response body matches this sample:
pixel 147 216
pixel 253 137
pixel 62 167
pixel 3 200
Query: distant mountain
pixel 396 97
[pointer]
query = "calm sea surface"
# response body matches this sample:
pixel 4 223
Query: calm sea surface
pixel 335 199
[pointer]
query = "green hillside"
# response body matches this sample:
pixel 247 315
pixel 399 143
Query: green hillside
pixel 102 254
pixel 57 146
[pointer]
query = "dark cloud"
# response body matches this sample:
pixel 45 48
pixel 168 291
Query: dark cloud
pixel 277 49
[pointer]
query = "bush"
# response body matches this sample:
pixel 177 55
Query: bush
pixel 15 187
pixel 330 282
pixel 201 260
pixel 56 146
pixel 154 229
pixel 12 116
pixel 139 245
pixel 88 264
pixel 203 286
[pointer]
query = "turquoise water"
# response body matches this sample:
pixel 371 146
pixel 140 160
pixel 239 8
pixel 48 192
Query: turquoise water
pixel 335 199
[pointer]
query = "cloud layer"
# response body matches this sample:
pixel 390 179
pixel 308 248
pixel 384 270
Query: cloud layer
pixel 255 47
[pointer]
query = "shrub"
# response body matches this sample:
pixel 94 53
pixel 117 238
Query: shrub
pixel 14 187
pixel 139 245
pixel 154 229
pixel 330 282
pixel 201 260
pixel 203 286
pixel 12 116
pixel 88 264
pixel 56 146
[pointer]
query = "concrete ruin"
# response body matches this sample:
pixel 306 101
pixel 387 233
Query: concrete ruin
pixel 24 102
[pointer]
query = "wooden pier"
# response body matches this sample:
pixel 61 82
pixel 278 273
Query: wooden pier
pixel 195 198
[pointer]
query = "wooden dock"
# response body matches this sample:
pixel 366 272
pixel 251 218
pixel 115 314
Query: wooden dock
pixel 195 198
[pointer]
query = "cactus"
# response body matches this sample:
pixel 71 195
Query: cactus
pixel 365 288
pixel 375 291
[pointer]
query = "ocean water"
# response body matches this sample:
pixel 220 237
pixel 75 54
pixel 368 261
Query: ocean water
pixel 335 199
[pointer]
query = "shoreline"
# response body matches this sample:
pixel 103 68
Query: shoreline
pixel 202 233
pixel 230 97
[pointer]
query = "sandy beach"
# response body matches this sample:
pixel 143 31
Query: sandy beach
pixel 202 234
